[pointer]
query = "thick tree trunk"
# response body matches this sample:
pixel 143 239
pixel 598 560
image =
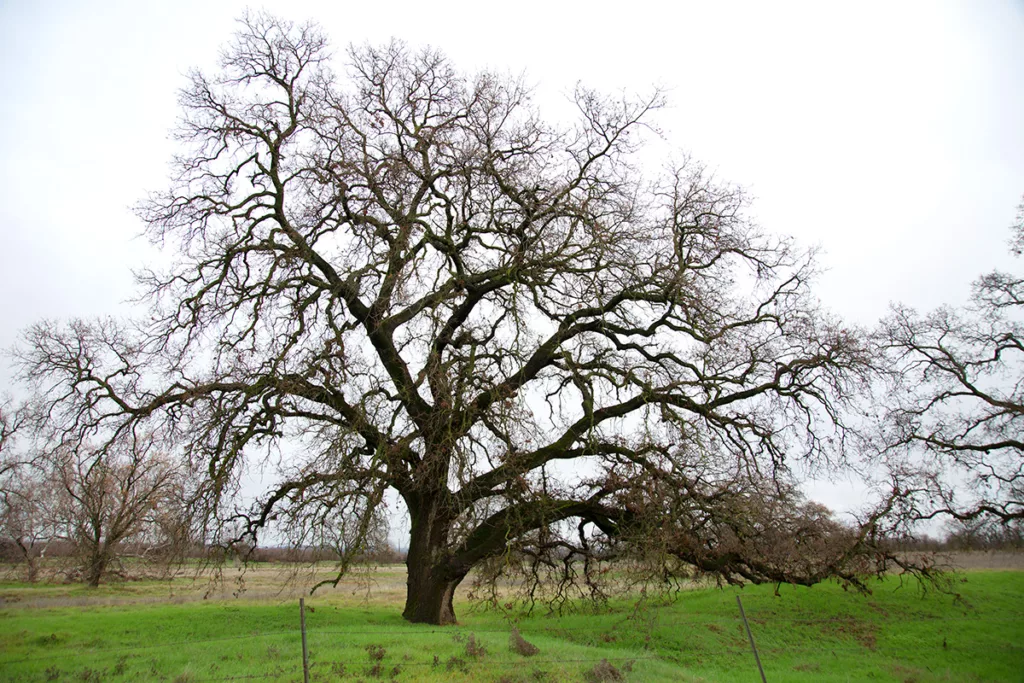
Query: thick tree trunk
pixel 429 597
pixel 431 581
pixel 95 568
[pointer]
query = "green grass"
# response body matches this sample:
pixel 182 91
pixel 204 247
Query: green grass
pixel 816 634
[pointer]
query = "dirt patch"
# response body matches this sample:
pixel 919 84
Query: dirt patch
pixel 906 674
pixel 863 633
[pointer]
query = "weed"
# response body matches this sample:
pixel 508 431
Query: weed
pixel 47 641
pixel 521 646
pixel 337 671
pixel 90 675
pixel 603 672
pixel 474 649
pixel 515 678
pixel 456 664
pixel 376 653
pixel 905 674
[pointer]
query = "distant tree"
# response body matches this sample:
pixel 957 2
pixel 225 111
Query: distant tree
pixel 104 504
pixel 111 503
pixel 12 420
pixel 956 403
pixel 416 284
pixel 24 529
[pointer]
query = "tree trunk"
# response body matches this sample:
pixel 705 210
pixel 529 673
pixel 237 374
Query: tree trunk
pixel 429 597
pixel 96 565
pixel 431 580
pixel 27 549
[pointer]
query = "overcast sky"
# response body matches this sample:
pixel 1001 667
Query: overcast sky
pixel 889 133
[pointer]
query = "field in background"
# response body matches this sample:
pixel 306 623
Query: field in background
pixel 985 559
pixel 167 631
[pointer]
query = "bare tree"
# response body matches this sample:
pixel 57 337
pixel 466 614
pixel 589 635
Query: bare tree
pixel 407 280
pixel 26 527
pixel 957 401
pixel 123 499
pixel 112 503
pixel 23 526
pixel 12 420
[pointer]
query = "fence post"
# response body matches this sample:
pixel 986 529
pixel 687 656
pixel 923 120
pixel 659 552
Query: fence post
pixel 751 636
pixel 305 652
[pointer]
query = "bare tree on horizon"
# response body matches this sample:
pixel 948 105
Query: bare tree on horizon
pixel 956 400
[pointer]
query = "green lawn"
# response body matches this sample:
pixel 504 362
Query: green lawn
pixel 816 634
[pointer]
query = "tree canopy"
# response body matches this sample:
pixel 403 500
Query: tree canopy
pixel 404 278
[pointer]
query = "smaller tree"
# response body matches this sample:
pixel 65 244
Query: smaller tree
pixel 24 531
pixel 12 420
pixel 109 493
pixel 956 406
pixel 113 502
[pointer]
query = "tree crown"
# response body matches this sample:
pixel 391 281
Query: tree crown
pixel 414 276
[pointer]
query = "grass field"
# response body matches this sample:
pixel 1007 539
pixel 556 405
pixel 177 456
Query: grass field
pixel 166 632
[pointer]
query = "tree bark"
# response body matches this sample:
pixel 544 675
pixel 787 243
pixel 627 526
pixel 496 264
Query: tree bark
pixel 431 579
pixel 95 568
pixel 31 560
pixel 429 597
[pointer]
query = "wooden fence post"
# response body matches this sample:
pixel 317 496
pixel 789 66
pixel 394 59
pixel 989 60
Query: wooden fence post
pixel 305 652
pixel 751 636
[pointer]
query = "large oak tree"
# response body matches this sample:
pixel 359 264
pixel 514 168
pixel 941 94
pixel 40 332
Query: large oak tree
pixel 404 278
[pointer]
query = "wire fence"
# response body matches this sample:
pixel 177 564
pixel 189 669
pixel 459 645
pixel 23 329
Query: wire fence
pixel 326 654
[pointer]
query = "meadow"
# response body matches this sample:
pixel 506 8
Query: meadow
pixel 183 632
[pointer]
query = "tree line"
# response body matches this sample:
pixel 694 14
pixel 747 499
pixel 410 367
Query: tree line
pixel 399 277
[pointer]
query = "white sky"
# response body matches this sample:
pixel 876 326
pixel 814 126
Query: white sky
pixel 889 133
